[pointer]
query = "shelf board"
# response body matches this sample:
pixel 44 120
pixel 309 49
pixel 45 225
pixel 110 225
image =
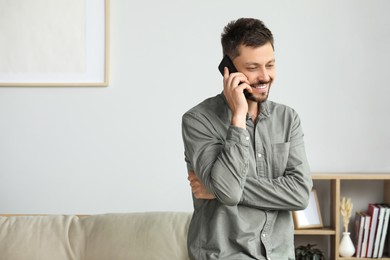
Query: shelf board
pixel 355 258
pixel 351 176
pixel 316 231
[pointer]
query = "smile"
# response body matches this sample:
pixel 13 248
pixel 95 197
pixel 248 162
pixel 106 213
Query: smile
pixel 261 86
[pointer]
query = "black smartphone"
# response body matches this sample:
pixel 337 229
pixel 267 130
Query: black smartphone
pixel 227 62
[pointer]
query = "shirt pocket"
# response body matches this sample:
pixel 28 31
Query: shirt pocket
pixel 280 152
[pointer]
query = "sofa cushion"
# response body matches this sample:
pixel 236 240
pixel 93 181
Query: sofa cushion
pixel 36 238
pixel 132 236
pixel 135 236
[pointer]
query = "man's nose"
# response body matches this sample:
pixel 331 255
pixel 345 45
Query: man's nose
pixel 263 75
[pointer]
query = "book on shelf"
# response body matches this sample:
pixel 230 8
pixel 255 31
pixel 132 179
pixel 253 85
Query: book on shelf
pixel 379 229
pixel 384 231
pixel 359 230
pixel 373 211
pixel 367 221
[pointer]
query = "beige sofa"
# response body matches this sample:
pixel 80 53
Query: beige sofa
pixel 129 236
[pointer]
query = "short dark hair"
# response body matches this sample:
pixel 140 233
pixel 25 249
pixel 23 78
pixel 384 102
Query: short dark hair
pixel 246 31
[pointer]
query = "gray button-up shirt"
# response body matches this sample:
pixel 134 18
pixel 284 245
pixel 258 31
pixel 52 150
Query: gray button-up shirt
pixel 258 176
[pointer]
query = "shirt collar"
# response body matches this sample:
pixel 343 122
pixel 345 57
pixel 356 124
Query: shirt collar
pixel 264 109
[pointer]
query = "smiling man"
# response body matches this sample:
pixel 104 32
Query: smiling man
pixel 245 156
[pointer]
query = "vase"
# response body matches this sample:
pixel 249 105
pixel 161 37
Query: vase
pixel 346 248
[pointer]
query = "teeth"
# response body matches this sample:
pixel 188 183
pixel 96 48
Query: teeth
pixel 261 86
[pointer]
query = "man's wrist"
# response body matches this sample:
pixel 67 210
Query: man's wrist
pixel 239 121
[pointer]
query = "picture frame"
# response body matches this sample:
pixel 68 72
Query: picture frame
pixel 309 217
pixel 55 43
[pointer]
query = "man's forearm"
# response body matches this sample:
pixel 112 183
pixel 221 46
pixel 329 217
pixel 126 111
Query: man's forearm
pixel 288 192
pixel 220 165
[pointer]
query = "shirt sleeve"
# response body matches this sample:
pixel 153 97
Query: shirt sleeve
pixel 291 190
pixel 220 163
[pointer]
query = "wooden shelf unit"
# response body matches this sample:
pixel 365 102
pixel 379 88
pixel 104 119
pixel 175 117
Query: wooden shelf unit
pixel 335 228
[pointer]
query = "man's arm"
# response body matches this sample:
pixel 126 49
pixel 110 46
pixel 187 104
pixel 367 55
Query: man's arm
pixel 288 192
pixel 291 190
pixel 221 164
pixel 258 192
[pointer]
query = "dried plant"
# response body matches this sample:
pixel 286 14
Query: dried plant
pixel 346 211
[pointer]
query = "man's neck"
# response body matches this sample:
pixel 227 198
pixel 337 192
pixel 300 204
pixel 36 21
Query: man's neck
pixel 253 109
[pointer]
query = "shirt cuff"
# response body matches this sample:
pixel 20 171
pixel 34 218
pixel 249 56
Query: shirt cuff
pixel 238 134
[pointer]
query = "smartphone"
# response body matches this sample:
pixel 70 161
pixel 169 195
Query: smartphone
pixel 227 62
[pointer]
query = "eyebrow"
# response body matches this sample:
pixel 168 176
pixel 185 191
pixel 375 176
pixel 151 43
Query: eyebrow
pixel 255 63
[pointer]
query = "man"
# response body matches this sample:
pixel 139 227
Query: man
pixel 245 157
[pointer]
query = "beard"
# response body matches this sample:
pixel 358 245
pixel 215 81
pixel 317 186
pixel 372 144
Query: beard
pixel 259 97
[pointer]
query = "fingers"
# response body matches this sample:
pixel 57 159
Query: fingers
pixel 234 85
pixel 234 79
pixel 226 73
pixel 191 175
pixel 204 196
pixel 197 187
pixel 194 181
pixel 201 193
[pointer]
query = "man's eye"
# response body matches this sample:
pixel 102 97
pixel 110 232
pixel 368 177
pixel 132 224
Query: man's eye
pixel 252 68
pixel 270 66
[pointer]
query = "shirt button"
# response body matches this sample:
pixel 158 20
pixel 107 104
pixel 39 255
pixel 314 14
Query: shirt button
pixel 263 235
pixel 259 154
pixel 247 138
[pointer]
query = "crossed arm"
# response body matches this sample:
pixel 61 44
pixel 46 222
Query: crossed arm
pixel 221 171
pixel 197 187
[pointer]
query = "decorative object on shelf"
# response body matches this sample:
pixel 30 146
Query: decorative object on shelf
pixel 346 248
pixel 346 207
pixel 308 252
pixel 309 217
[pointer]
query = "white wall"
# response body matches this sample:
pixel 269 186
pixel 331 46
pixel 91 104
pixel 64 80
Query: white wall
pixel 119 149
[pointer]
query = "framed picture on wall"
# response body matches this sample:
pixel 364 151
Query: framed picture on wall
pixel 311 216
pixel 54 43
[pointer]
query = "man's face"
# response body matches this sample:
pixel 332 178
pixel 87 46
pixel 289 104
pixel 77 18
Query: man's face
pixel 258 65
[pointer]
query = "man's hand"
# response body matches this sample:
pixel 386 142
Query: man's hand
pixel 198 188
pixel 233 89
